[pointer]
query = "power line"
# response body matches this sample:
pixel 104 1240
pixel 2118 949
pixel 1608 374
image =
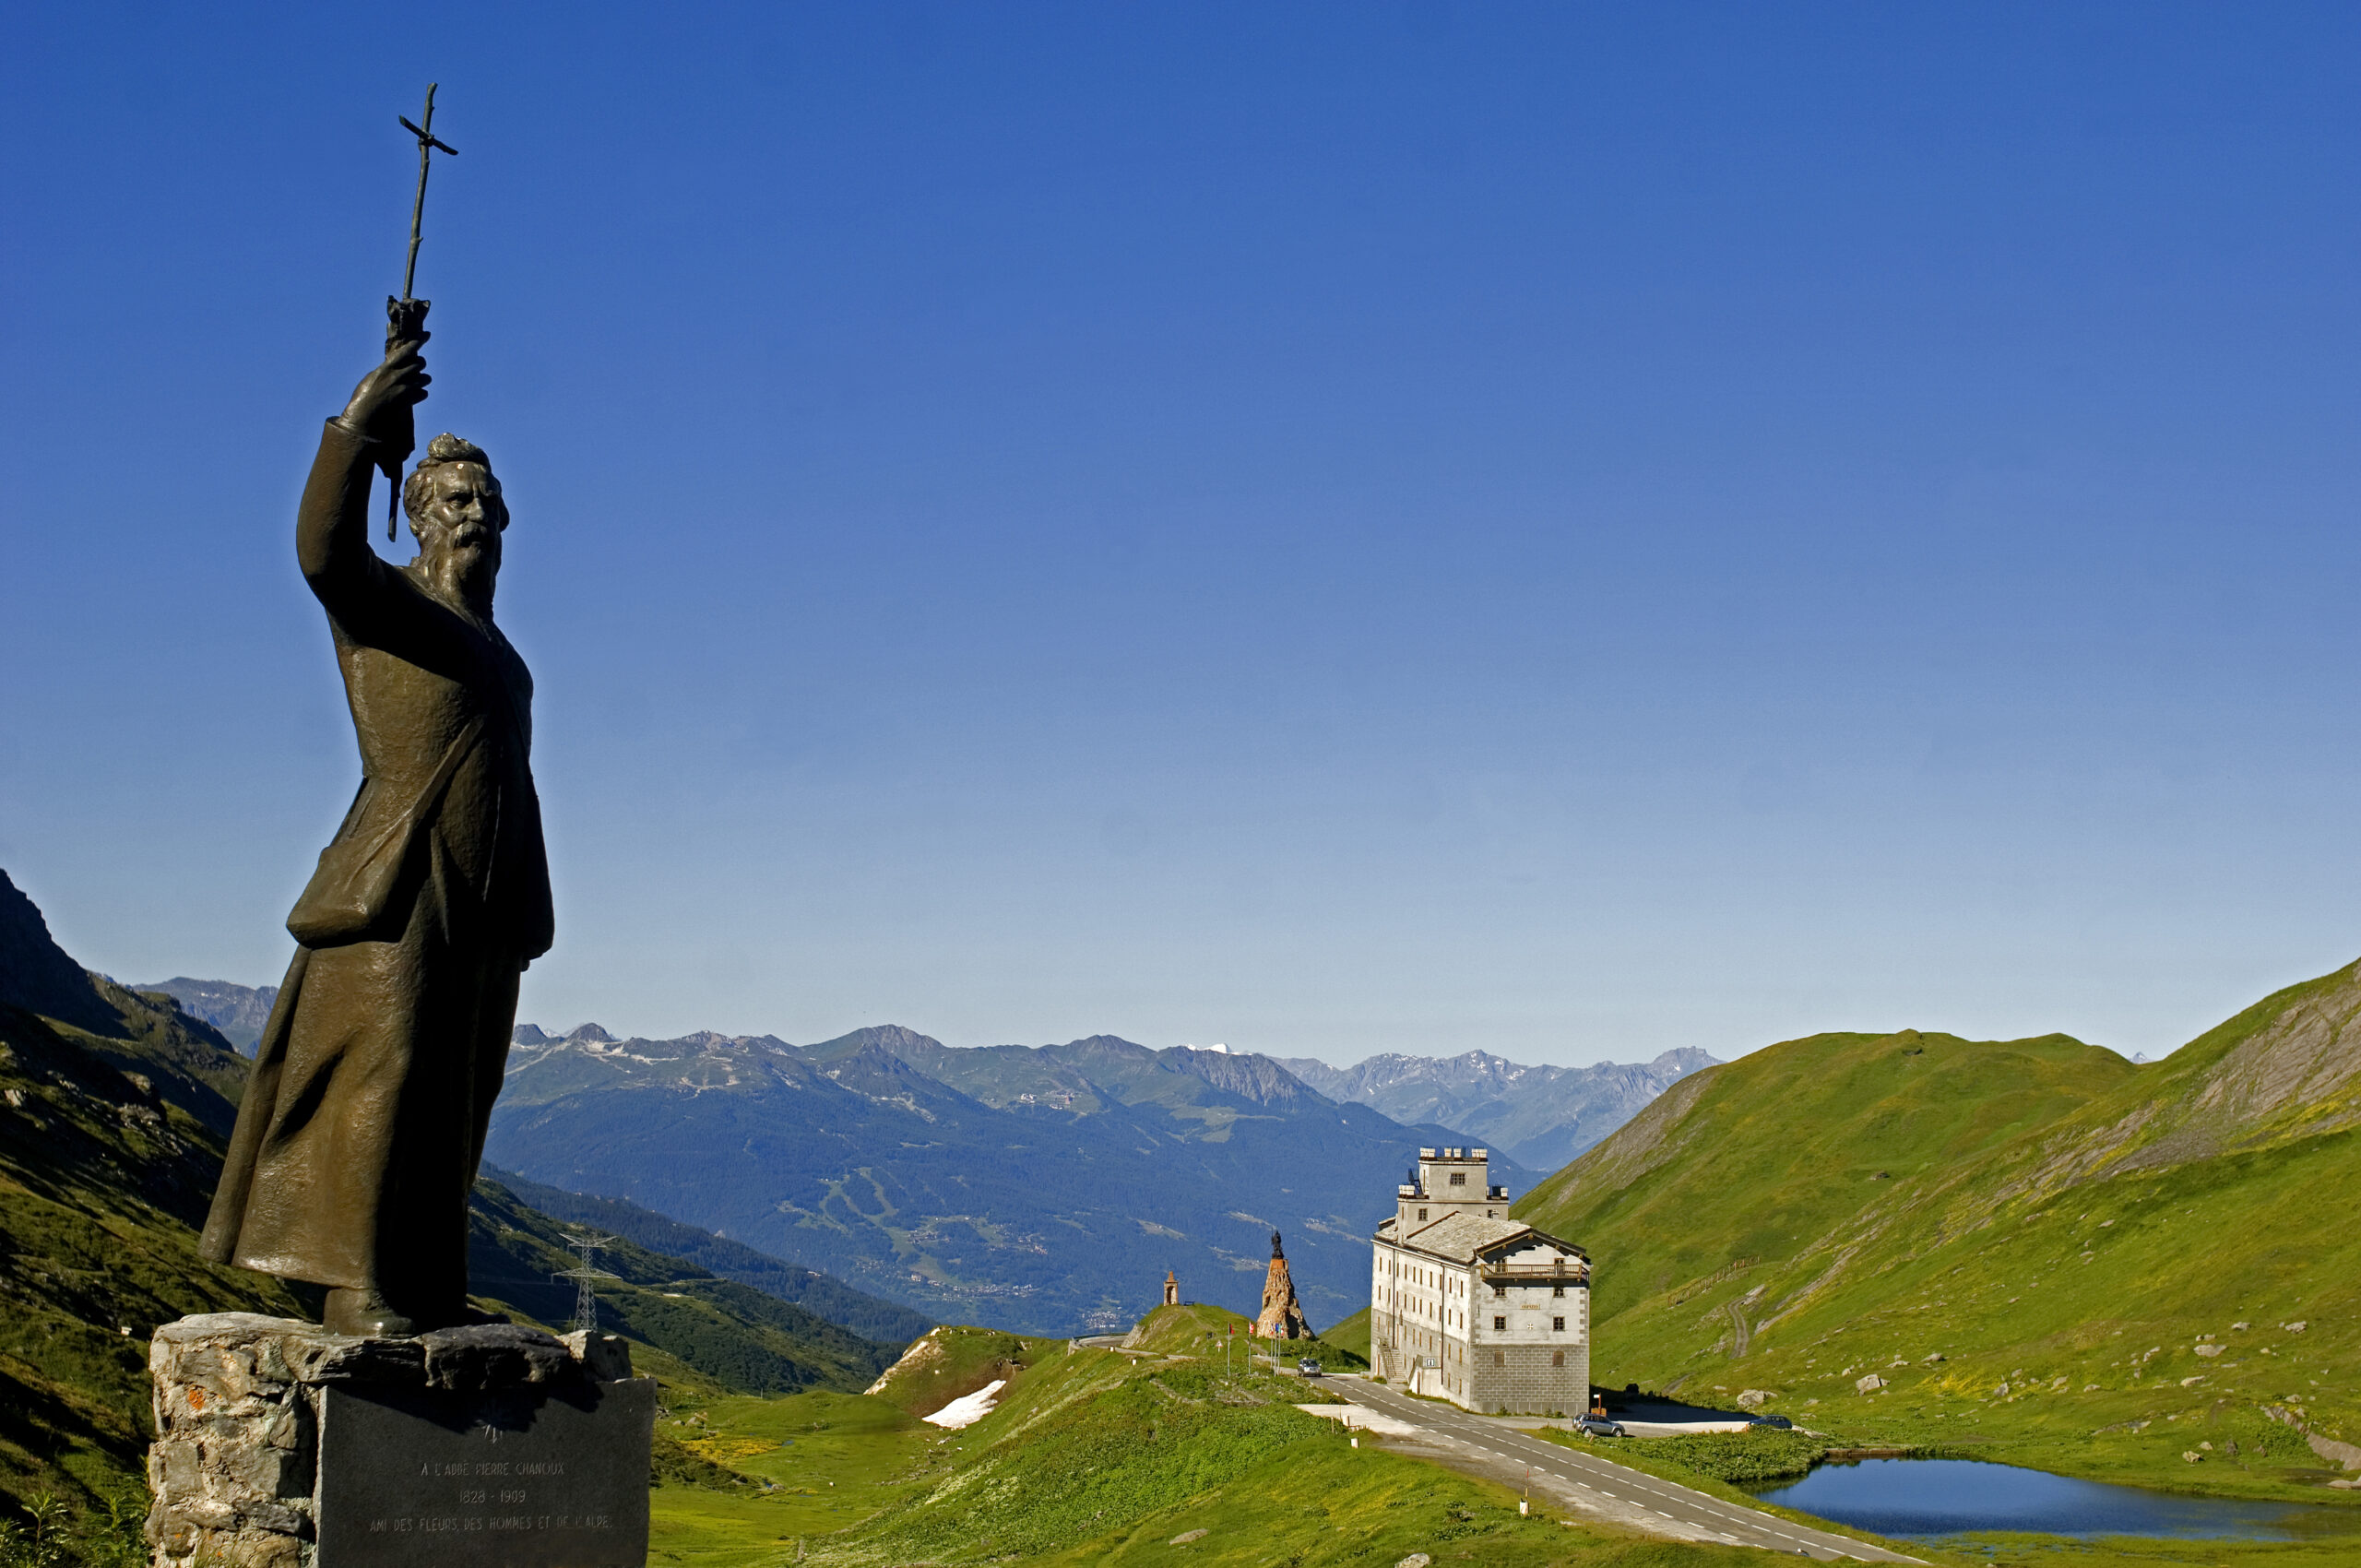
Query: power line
pixel 586 1296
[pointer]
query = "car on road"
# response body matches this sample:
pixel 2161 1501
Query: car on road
pixel 1598 1426
pixel 1308 1367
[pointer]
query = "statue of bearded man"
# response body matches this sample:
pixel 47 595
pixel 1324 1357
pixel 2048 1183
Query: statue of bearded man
pixel 364 1117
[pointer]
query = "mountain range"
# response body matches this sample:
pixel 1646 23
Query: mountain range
pixel 1541 1116
pixel 1046 1189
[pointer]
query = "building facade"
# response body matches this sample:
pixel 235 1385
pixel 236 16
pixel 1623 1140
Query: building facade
pixel 1471 1306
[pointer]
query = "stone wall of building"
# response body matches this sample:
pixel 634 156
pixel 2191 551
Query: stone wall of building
pixel 1523 1379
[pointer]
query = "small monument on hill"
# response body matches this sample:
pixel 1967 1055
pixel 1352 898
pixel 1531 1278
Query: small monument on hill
pixel 1172 1289
pixel 1282 1315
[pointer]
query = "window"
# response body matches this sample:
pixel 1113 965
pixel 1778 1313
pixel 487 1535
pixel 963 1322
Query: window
pixel 1500 1292
pixel 1459 1178
pixel 1500 1324
pixel 1556 1291
pixel 1557 1325
pixel 1557 1357
pixel 1499 1359
pixel 1422 1214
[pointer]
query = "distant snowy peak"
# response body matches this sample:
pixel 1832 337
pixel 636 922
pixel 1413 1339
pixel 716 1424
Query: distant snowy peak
pixel 1540 1116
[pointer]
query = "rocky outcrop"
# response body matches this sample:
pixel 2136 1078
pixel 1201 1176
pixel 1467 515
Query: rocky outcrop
pixel 1282 1316
pixel 36 974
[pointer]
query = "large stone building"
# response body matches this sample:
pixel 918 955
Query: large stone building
pixel 1472 1306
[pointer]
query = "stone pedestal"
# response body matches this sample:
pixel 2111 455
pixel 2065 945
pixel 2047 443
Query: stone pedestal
pixel 282 1446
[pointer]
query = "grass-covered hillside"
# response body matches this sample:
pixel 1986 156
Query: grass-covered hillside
pixel 113 1109
pixel 1096 1455
pixel 1092 1457
pixel 2040 1249
pixel 1195 1329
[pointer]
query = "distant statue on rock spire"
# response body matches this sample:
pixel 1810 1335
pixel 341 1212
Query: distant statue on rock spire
pixel 1282 1315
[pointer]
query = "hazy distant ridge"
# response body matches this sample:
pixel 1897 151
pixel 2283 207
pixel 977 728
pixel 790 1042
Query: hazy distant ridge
pixel 1541 1116
pixel 237 1011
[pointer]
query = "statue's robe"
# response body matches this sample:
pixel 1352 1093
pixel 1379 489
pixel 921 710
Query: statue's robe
pixel 365 1116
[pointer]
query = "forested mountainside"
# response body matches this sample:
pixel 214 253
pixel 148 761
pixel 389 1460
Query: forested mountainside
pixel 872 1317
pixel 1541 1116
pixel 1044 1189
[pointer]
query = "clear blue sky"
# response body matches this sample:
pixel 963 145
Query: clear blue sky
pixel 1569 529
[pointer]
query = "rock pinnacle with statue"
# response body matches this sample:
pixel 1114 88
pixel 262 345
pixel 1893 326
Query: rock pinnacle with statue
pixel 1282 1315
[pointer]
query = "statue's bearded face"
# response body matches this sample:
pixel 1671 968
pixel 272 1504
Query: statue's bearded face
pixel 459 524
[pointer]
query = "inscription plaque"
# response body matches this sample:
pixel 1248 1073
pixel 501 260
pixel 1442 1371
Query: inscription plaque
pixel 538 1477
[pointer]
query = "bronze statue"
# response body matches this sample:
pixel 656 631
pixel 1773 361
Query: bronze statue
pixel 363 1119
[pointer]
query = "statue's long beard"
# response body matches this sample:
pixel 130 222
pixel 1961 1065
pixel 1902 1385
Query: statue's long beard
pixel 468 573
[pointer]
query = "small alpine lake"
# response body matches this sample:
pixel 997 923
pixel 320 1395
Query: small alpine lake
pixel 1949 1497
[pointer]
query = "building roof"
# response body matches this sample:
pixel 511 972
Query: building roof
pixel 1463 1237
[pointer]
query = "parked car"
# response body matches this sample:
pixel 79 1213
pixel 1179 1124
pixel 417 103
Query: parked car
pixel 1598 1426
pixel 1780 1422
pixel 1308 1367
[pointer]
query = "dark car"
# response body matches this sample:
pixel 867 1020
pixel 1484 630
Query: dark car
pixel 1598 1426
pixel 1308 1367
pixel 1780 1422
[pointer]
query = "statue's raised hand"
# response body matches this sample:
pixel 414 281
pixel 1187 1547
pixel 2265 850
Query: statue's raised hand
pixel 387 393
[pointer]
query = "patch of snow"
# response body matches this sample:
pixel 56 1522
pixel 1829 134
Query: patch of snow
pixel 968 1409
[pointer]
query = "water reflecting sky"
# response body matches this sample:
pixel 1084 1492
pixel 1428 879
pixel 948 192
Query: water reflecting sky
pixel 1940 1497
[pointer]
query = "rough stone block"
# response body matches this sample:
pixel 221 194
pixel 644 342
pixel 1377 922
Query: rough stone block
pixel 606 1357
pixel 242 1463
pixel 496 1355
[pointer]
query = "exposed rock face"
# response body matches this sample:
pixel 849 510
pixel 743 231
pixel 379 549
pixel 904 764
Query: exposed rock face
pixel 237 1404
pixel 36 975
pixel 1282 1315
pixel 237 1011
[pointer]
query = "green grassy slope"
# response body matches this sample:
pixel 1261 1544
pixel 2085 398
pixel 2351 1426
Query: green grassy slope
pixel 1093 1456
pixel 2043 1251
pixel 102 1184
pixel 1351 1335
pixel 1196 1329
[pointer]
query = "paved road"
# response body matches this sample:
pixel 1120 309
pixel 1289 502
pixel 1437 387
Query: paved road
pixel 1585 1480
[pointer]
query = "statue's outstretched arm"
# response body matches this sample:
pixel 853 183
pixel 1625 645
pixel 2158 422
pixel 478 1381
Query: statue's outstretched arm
pixel 331 526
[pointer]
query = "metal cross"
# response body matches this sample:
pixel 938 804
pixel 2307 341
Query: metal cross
pixel 428 143
pixel 406 317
